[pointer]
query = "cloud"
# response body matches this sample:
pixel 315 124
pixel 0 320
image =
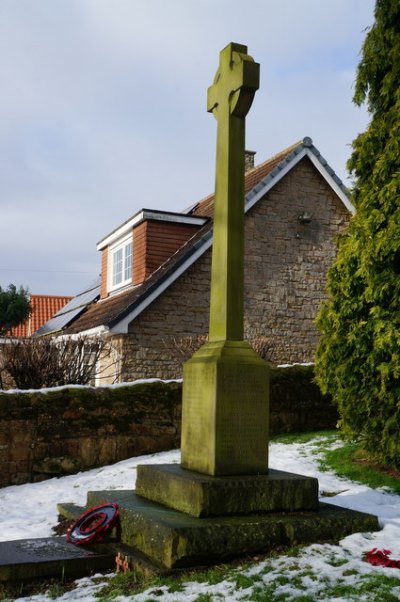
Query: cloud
pixel 103 110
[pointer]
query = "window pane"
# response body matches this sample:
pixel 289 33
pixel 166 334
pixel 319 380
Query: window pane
pixel 117 267
pixel 128 262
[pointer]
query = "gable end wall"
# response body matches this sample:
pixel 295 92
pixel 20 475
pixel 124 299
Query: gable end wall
pixel 286 263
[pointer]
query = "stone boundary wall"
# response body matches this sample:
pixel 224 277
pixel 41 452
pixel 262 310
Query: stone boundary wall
pixel 68 430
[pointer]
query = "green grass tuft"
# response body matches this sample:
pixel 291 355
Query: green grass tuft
pixel 351 462
pixel 289 438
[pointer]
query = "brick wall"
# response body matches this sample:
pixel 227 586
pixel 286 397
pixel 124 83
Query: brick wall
pixel 163 240
pixel 104 274
pixel 139 253
pixel 154 242
pixel 286 263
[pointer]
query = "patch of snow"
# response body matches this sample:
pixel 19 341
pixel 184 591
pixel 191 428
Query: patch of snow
pixel 30 511
pixel 114 386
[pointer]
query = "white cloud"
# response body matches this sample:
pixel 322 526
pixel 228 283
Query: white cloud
pixel 102 109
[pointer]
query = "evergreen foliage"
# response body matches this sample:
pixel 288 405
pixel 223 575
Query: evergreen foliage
pixel 358 358
pixel 15 307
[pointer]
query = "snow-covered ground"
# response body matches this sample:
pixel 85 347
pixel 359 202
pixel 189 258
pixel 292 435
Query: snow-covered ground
pixel 30 511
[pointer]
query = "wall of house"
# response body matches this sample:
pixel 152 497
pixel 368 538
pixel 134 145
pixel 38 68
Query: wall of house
pixel 285 273
pixel 163 240
pixel 154 242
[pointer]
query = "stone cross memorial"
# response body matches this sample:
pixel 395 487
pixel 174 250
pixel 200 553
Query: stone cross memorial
pixel 223 500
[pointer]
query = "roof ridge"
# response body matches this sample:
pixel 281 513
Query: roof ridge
pixel 258 181
pixel 37 296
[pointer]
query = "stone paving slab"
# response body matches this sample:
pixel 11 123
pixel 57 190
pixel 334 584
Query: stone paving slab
pixel 23 559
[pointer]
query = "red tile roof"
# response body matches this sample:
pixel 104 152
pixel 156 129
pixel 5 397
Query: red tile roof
pixel 43 308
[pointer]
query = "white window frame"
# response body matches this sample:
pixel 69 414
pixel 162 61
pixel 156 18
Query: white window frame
pixel 120 245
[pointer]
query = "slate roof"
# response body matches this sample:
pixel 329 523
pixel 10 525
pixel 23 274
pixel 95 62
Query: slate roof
pixel 111 310
pixel 43 308
pixel 114 311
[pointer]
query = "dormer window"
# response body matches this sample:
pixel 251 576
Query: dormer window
pixel 120 263
pixel 134 250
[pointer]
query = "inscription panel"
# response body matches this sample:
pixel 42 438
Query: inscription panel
pixel 242 419
pixel 198 417
pixel 225 411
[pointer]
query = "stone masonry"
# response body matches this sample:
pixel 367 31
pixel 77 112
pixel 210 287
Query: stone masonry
pixel 286 264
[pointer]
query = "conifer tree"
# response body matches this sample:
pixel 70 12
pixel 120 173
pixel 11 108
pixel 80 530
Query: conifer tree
pixel 15 307
pixel 358 358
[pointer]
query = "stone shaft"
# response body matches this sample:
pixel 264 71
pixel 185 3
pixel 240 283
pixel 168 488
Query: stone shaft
pixel 225 384
pixel 229 99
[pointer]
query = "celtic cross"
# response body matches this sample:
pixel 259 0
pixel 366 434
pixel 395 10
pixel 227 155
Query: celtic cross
pixel 229 99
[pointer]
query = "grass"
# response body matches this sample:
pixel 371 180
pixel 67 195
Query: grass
pixel 352 462
pixel 349 460
pixel 124 584
pixel 289 438
pixel 53 587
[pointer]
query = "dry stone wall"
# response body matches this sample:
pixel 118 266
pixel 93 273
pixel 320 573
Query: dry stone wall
pixel 72 429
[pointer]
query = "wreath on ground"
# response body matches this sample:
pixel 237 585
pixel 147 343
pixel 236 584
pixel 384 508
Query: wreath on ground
pixel 94 525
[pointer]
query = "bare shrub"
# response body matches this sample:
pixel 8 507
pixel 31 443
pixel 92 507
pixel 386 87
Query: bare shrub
pixel 262 346
pixel 183 348
pixel 33 363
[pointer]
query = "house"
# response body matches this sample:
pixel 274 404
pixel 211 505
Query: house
pixel 43 308
pixel 155 275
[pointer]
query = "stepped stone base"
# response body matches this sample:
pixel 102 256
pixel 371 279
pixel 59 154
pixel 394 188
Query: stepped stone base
pixel 201 495
pixel 172 539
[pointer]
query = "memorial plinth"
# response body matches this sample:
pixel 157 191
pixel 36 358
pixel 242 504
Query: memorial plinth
pixel 225 412
pixel 200 495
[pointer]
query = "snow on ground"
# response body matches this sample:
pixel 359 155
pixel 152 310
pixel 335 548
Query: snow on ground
pixel 30 511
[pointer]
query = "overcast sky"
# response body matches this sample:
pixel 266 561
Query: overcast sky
pixel 103 112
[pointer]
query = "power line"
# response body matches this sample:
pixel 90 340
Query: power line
pixel 48 271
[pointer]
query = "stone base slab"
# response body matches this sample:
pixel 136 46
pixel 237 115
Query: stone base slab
pixel 202 495
pixel 26 559
pixel 171 539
